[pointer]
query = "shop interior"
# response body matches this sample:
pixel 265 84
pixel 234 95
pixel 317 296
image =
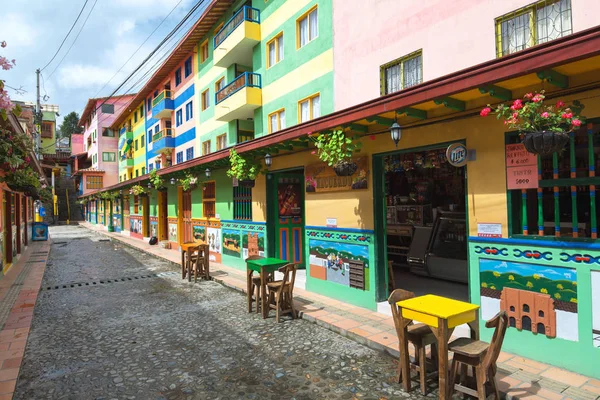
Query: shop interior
pixel 426 223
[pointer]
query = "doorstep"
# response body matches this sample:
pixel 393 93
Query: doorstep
pixel 518 377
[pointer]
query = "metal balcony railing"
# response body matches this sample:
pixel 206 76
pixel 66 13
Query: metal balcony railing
pixel 247 79
pixel 245 13
pixel 167 132
pixel 165 94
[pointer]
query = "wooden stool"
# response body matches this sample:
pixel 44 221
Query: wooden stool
pixel 281 297
pixel 200 263
pixel 420 336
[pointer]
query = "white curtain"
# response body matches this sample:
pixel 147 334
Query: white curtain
pixel 303 32
pixel 412 72
pixel 554 21
pixel 282 120
pixel 273 122
pixel 516 34
pixel 314 24
pixel 316 107
pixel 304 111
pixel 392 79
pixel 272 50
pixel 280 45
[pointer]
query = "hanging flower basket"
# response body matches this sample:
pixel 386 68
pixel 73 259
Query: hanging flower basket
pixel 545 142
pixel 249 183
pixel 544 128
pixel 345 168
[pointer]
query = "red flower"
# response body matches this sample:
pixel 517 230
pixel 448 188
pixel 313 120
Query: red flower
pixel 560 104
pixel 537 98
pixel 567 115
pixel 517 105
pixel 313 152
pixel 576 122
pixel 515 116
pixel 528 96
pixel 544 115
pixel 485 112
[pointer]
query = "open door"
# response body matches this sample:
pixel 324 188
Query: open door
pixel 163 220
pixel 187 216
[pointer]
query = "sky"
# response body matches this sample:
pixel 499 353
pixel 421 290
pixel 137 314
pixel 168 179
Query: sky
pixel 34 29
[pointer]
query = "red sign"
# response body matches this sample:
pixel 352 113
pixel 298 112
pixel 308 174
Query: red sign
pixel 521 168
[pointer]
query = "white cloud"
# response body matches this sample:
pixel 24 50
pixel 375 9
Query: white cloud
pixel 18 30
pixel 79 76
pixel 125 26
pixel 550 271
pixel 501 265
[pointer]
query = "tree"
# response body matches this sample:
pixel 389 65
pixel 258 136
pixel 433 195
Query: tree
pixel 529 285
pixel 511 278
pixel 70 125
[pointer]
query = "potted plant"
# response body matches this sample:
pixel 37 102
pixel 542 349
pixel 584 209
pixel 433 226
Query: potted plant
pixel 336 149
pixel 188 182
pixel 157 181
pixel 137 190
pixel 544 128
pixel 244 170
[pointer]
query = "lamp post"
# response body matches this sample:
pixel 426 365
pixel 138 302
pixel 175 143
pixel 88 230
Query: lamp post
pixel 172 181
pixel 207 172
pixel 396 133
pixel 268 160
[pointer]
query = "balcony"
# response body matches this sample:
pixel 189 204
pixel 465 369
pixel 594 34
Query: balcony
pixel 163 140
pixel 234 42
pixel 240 98
pixel 126 162
pixel 162 105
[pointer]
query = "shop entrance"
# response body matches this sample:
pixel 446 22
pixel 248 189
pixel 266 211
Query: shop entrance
pixel 285 221
pixel 163 221
pixel 423 216
pixel 187 216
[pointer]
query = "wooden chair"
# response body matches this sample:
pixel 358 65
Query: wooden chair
pixel 200 263
pixel 480 355
pixel 255 285
pixel 391 279
pixel 281 297
pixel 420 336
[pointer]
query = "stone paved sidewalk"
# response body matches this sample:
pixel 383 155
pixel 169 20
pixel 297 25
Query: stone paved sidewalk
pixel 18 293
pixel 518 377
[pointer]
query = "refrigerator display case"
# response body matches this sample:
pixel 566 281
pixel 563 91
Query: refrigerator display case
pixel 447 254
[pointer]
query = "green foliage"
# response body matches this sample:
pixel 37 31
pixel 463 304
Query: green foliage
pixel 46 195
pixel 189 181
pixel 157 181
pixel 137 190
pixel 335 147
pixel 243 169
pixel 109 195
pixel 22 179
pixel 532 114
pixel 15 150
pixel 70 125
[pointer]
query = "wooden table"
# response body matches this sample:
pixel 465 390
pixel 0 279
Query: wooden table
pixel 264 266
pixel 188 247
pixel 442 315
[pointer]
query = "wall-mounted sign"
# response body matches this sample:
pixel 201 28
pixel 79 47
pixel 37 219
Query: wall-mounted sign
pixel 331 222
pixel 489 230
pixel 321 178
pixel 521 168
pixel 457 155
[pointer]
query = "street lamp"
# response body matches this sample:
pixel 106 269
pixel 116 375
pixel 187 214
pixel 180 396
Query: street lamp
pixel 207 172
pixel 396 133
pixel 268 160
pixel 149 185
pixel 172 181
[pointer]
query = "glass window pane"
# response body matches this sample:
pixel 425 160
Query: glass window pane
pixel 303 31
pixel 304 111
pixel 316 106
pixel 273 123
pixel 392 79
pixel 282 124
pixel 272 59
pixel 554 21
pixel 314 24
pixel 280 50
pixel 516 34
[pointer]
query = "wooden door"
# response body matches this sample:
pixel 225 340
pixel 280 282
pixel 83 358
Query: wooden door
pixel 17 205
pixel 24 214
pixel 146 216
pixel 163 218
pixel 287 213
pixel 8 250
pixel 187 216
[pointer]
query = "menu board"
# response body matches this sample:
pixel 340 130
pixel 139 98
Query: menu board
pixel 521 168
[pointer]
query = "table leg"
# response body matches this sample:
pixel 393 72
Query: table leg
pixel 189 265
pixel 249 288
pixel 404 357
pixel 182 264
pixel 474 325
pixel 441 333
pixel 263 291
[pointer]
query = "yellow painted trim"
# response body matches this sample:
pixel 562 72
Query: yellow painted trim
pixel 310 104
pixel 203 46
pixel 206 143
pixel 278 112
pixel 427 319
pixel 224 135
pixel 305 15
pixel 278 57
pixel 283 13
pixel 463 318
pixel 399 61
pixel 205 99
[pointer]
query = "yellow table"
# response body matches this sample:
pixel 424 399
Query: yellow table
pixel 442 315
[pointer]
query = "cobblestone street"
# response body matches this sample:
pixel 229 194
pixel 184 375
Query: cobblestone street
pixel 114 323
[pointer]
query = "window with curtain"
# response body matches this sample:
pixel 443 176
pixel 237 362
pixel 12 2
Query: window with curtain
pixel 189 153
pixel 309 108
pixel 307 27
pixel 277 121
pixel 221 141
pixel 275 50
pixel 538 23
pixel 219 85
pixel 179 157
pixel 402 73
pixel 206 147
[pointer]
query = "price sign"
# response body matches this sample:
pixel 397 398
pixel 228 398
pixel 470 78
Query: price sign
pixel 521 168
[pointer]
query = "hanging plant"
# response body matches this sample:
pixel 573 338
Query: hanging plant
pixel 22 180
pixel 137 190
pixel 112 196
pixel 336 149
pixel 84 201
pixel 189 182
pixel 157 181
pixel 544 128
pixel 242 169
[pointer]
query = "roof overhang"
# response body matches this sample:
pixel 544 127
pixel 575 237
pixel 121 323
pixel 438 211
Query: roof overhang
pixel 577 55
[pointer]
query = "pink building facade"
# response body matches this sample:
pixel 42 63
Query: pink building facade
pixel 449 35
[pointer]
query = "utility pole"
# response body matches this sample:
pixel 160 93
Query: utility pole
pixel 38 116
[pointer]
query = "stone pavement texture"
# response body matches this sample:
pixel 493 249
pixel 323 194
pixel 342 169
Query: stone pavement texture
pixel 519 377
pixel 112 322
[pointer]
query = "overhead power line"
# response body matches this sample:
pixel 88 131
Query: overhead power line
pixel 76 37
pixel 67 35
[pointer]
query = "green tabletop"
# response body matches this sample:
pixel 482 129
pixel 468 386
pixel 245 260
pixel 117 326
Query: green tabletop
pixel 270 264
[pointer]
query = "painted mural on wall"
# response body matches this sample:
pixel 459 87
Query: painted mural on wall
pixel 330 261
pixel 199 233
pixel 253 244
pixel 172 232
pixel 135 226
pixel 596 308
pixel 232 243
pixel 214 244
pixel 321 178
pixel 541 299
pixel 153 228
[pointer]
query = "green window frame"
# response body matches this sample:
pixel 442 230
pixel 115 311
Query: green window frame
pixel 564 204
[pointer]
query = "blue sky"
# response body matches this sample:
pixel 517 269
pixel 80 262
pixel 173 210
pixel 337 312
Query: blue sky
pixel 525 269
pixel 33 30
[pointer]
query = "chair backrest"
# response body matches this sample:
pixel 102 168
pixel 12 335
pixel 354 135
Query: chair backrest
pixel 396 296
pixel 500 322
pixel 289 275
pixel 391 280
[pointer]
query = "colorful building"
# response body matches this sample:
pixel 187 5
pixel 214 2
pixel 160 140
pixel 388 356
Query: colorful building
pixel 442 202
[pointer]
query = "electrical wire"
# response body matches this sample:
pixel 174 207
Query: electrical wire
pixel 68 33
pixel 76 37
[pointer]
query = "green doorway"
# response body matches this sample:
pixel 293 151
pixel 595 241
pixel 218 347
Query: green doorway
pixel 285 216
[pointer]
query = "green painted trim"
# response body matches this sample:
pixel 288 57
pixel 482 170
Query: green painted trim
pixel 555 78
pixel 413 112
pixel 452 103
pixel 496 91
